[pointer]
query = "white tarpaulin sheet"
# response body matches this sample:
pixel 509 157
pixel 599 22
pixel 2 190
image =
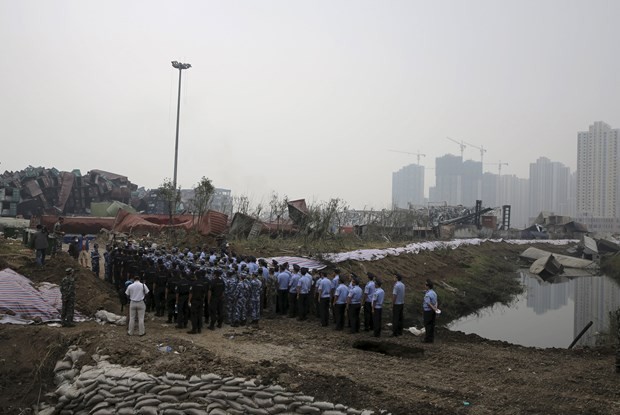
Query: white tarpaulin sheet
pixel 415 248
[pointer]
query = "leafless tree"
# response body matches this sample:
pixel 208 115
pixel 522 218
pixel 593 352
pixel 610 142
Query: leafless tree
pixel 171 196
pixel 203 192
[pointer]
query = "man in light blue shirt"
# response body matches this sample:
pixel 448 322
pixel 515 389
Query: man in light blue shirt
pixel 398 305
pixel 303 293
pixel 283 280
pixel 377 308
pixel 335 283
pixel 354 303
pixel 429 306
pixel 369 294
pixel 292 292
pixel 340 303
pixel 325 293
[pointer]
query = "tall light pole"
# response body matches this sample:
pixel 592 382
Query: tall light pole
pixel 180 67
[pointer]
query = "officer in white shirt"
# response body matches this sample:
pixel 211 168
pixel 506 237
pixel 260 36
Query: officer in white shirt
pixel 136 292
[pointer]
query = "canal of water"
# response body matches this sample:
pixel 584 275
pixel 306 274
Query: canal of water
pixel 548 314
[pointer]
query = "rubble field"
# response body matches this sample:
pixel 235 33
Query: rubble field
pixel 457 374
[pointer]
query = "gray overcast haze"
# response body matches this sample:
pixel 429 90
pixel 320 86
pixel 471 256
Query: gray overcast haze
pixel 304 98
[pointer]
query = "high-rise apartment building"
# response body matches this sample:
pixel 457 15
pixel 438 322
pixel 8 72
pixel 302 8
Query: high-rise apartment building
pixel 471 181
pixel 448 178
pixel 508 189
pixel 549 187
pixel 597 171
pixel 457 182
pixel 408 186
pixel 515 192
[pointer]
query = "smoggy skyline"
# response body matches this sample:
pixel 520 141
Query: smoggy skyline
pixel 303 98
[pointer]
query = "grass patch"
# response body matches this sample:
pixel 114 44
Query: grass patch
pixel 610 265
pixel 484 281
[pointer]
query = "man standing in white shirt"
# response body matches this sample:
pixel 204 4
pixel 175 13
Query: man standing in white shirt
pixel 136 292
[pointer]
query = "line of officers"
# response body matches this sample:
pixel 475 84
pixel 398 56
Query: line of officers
pixel 239 290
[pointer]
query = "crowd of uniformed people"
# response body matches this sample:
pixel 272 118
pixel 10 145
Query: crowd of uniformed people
pixel 201 284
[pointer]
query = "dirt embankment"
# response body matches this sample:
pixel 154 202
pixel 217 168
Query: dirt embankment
pixel 458 374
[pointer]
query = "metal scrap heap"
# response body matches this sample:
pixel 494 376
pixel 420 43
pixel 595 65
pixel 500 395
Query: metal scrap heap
pixel 36 191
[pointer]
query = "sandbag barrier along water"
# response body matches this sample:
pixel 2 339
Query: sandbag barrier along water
pixel 110 389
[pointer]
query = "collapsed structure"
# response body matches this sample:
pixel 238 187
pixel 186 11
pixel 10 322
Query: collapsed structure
pixel 36 191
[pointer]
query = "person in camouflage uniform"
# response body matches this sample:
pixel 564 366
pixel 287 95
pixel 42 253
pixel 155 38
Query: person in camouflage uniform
pixel 107 265
pixel 271 293
pixel 94 260
pixel 255 297
pixel 58 235
pixel 230 281
pixel 240 300
pixel 67 290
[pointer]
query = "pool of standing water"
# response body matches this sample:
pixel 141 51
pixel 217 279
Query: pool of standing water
pixel 548 314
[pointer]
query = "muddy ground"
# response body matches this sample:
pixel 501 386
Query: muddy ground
pixel 457 374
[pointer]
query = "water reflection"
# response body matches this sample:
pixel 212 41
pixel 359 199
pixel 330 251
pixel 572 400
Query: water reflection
pixel 548 314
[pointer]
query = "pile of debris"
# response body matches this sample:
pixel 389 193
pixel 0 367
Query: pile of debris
pixel 586 262
pixel 35 191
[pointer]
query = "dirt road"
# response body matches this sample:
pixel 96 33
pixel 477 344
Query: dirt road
pixel 457 374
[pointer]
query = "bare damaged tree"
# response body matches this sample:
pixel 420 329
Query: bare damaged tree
pixel 257 211
pixel 274 202
pixel 277 208
pixel 171 197
pixel 203 191
pixel 324 218
pixel 241 204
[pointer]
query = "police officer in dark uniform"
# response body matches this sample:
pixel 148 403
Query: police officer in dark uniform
pixel 159 288
pixel 182 306
pixel 117 268
pixel 196 300
pixel 150 273
pixel 171 290
pixel 216 299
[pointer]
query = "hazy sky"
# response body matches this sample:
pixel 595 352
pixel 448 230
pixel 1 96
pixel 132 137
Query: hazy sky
pixel 304 98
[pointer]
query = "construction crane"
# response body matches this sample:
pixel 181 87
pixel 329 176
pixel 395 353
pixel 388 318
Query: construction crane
pixel 482 151
pixel 418 154
pixel 460 143
pixel 499 166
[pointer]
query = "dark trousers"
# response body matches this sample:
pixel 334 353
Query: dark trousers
pixel 304 304
pixel 368 324
pixel 182 311
pixel 206 309
pixel 292 304
pixel 196 312
pixel 354 317
pixel 429 326
pixel 376 317
pixel 339 308
pixel 397 319
pixel 216 312
pixel 324 311
pixel 41 257
pixel 172 314
pixel 160 302
pixel 149 300
pixel 315 306
pixel 282 301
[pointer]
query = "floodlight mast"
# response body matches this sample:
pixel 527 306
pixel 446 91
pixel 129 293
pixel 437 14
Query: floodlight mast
pixel 180 67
